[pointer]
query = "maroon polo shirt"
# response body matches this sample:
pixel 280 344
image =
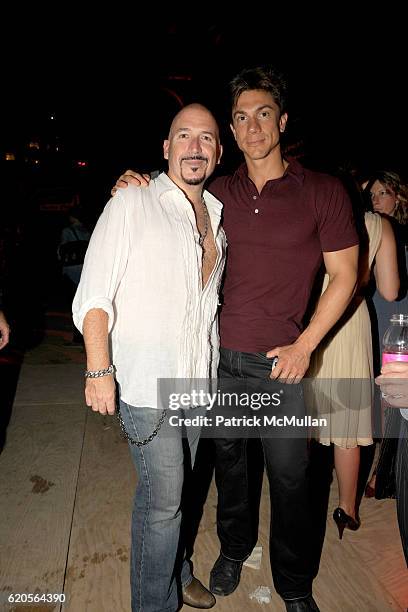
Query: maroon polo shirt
pixel 275 244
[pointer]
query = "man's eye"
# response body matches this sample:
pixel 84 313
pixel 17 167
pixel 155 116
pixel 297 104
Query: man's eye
pixel 264 114
pixel 241 118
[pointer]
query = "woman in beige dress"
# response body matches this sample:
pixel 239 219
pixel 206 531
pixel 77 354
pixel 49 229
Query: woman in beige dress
pixel 342 370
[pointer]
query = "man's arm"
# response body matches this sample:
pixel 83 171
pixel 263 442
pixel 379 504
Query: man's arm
pixel 99 392
pixel 4 330
pixel 130 177
pixel 342 268
pixel 93 311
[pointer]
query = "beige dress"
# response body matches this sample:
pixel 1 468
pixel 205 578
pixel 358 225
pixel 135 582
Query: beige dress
pixel 339 386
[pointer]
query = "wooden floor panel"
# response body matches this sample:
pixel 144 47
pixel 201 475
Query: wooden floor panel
pixel 39 470
pixel 66 489
pixel 98 563
pixel 346 582
pixel 50 384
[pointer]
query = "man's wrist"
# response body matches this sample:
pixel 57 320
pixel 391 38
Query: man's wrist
pixel 98 362
pixel 101 372
pixel 306 343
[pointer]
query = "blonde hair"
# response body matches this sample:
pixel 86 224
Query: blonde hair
pixel 393 181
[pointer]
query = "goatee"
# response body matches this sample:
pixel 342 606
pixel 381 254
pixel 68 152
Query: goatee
pixel 194 181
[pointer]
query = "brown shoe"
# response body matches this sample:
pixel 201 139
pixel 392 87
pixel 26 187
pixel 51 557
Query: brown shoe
pixel 197 596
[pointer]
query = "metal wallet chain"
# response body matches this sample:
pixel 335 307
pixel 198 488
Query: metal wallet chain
pixel 140 443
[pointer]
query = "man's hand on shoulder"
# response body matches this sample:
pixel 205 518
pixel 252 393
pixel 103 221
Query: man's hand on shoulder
pixel 130 177
pixel 100 394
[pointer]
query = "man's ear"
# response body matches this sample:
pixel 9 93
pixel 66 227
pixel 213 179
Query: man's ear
pixel 233 131
pixel 282 122
pixel 166 145
pixel 220 151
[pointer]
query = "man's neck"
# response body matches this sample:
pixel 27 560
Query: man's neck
pixel 194 196
pixel 193 193
pixel 260 171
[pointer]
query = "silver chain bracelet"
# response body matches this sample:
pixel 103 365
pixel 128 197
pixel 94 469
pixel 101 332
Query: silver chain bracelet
pixel 98 373
pixel 139 443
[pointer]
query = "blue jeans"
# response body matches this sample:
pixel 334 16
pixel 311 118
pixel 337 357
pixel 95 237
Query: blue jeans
pixel 156 518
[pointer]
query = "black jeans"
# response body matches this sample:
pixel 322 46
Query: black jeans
pixel 286 462
pixel 401 473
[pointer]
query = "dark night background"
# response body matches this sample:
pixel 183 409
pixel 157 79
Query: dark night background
pixel 111 81
pixel 108 78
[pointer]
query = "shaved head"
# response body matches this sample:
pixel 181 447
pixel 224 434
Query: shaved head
pixel 193 146
pixel 196 112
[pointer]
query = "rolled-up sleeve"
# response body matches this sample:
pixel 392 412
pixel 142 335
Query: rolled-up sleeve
pixel 105 263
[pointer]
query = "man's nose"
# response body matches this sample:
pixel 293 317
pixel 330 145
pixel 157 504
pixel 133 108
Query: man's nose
pixel 195 144
pixel 253 124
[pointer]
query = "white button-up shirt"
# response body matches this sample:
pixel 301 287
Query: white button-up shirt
pixel 143 268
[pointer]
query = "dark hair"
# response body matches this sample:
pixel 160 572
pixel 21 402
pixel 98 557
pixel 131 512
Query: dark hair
pixel 262 77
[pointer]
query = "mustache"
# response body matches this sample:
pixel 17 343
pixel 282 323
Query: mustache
pixel 195 157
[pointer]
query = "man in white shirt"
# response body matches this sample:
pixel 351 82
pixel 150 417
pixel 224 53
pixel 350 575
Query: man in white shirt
pixel 150 285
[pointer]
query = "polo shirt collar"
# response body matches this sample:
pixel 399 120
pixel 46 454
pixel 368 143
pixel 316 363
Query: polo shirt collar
pixel 294 170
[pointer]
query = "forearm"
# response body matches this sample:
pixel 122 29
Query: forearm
pixel 99 392
pixel 330 307
pixel 95 330
pixel 2 319
pixel 4 330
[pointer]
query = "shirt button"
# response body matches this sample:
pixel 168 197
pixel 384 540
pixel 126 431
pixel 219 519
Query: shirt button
pixel 256 211
pixel 254 197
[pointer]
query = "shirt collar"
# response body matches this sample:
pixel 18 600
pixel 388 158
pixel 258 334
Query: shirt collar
pixel 164 184
pixel 294 170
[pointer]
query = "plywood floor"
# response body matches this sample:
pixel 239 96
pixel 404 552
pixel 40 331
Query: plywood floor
pixel 66 487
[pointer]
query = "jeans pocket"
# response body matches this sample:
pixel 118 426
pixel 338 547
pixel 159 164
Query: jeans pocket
pixel 264 357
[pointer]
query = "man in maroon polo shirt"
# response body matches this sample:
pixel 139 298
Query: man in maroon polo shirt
pixel 282 222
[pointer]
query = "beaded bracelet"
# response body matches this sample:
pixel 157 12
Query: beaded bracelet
pixel 98 373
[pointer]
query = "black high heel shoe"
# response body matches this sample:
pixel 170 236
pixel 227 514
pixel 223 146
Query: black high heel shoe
pixel 343 520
